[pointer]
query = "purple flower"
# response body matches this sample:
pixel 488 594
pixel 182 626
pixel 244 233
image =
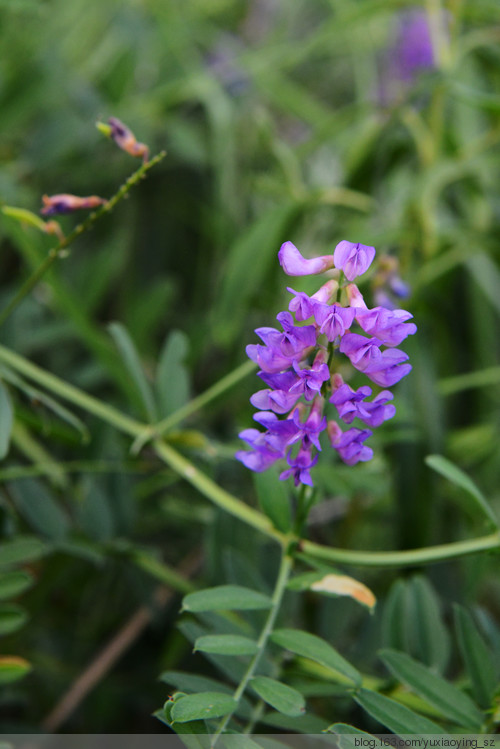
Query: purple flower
pixel 333 319
pixel 300 466
pixel 353 259
pixel 279 432
pixel 349 444
pixel 294 264
pixel 388 326
pixel 413 50
pixel 351 404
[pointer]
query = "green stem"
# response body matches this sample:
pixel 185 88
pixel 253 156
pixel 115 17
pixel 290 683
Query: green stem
pixel 410 557
pixel 72 394
pixel 215 493
pixel 59 251
pixel 279 590
pixel 201 400
pixel 227 501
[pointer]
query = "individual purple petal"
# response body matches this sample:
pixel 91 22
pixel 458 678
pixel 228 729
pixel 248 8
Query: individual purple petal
pixel 257 461
pixel 278 401
pixel 295 338
pixel 353 259
pixel 333 319
pixel 278 380
pixel 389 326
pixel 294 264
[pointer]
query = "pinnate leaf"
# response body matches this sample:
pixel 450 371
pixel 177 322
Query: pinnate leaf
pixel 202 706
pixel 226 645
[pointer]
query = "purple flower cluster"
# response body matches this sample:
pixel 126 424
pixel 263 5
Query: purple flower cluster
pixel 298 367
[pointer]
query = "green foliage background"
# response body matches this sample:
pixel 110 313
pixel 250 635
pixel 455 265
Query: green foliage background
pixel 273 128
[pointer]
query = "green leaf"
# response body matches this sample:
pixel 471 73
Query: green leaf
pixel 12 668
pixel 20 550
pixel 305 724
pixel 39 508
pixel 397 718
pixel 445 697
pixel 193 683
pixel 430 642
pixel 274 499
pixel 454 474
pixel 14 583
pixel 133 365
pixel 313 647
pixel 398 610
pixel 226 597
pixel 172 376
pixel 6 420
pixel 283 698
pixel 226 645
pixel 347 734
pixel 202 706
pixel 255 249
pixel 12 618
pixel 476 656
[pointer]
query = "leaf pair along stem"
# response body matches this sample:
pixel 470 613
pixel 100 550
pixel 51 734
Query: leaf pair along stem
pixel 223 499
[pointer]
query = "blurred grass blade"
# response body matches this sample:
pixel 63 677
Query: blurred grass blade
pixel 172 376
pixel 454 474
pixel 6 420
pixel 39 508
pixel 12 618
pixel 21 550
pixel 14 583
pixel 133 365
pixel 478 659
pixel 274 499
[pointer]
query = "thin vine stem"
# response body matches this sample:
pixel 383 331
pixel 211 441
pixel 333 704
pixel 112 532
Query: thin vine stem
pixel 284 572
pixel 60 250
pixel 226 501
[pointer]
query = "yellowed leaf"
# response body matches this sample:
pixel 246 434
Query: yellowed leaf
pixel 342 585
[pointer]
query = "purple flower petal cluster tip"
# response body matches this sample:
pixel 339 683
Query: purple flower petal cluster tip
pixel 299 364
